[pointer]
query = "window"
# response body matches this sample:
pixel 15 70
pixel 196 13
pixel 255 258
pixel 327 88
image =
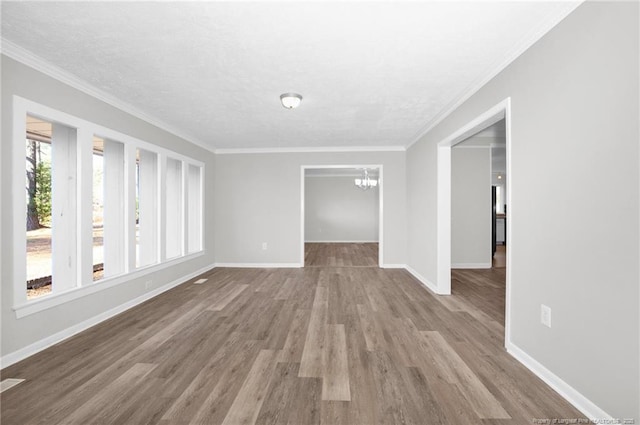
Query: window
pixel 147 217
pixel 174 228
pixel 93 202
pixel 38 207
pixel 194 203
pixel 97 208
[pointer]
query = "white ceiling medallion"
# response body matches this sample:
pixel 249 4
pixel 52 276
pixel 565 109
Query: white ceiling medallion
pixel 290 100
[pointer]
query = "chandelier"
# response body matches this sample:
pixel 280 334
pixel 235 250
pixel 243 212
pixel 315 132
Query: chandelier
pixel 366 182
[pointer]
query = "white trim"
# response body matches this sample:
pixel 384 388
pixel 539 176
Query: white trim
pixel 579 401
pixel 380 168
pixel 311 149
pixel 9 383
pixel 47 342
pixel 48 301
pixel 544 27
pixel 340 241
pixel 25 57
pixel 302 213
pixel 470 265
pixel 508 240
pixel 443 216
pixel 18 200
pixel 443 220
pixel 443 207
pixel 258 265
pixel 423 280
pixel 380 216
pixel 394 266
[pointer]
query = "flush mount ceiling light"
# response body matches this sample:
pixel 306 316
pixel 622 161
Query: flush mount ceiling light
pixel 366 182
pixel 290 100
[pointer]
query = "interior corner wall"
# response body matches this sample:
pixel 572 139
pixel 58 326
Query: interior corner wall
pixel 470 207
pixel 259 199
pixel 336 210
pixel 23 81
pixel 574 147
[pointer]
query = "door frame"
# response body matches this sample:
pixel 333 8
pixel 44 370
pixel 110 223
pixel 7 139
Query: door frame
pixel 443 218
pixel 378 167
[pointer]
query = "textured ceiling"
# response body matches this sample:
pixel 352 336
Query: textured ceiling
pixel 371 74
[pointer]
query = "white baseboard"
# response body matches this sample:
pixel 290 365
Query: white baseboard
pixel 260 265
pixel 425 282
pixel 394 266
pixel 31 349
pixel 471 265
pixel 580 402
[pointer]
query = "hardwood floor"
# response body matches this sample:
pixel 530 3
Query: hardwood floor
pixel 341 254
pixel 318 345
pixel 484 289
pixel 499 259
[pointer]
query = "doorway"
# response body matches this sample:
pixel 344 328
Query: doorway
pixel 492 116
pixel 478 252
pixel 341 216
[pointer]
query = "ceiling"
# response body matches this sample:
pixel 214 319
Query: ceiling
pixel 371 74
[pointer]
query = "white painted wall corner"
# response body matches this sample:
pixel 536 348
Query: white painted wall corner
pixel 579 401
pixel 423 280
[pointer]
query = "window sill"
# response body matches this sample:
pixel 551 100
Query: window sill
pixel 48 301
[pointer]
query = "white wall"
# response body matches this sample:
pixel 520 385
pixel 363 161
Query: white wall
pixel 574 105
pixel 258 198
pixel 338 211
pixel 470 207
pixel 20 334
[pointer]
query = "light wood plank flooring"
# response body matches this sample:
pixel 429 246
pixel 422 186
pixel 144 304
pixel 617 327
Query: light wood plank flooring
pixel 315 345
pixel 341 254
pixel 499 259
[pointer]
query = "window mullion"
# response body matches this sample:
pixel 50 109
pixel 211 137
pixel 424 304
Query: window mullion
pixel 185 208
pixel 130 207
pixel 64 210
pixel 114 209
pixel 17 215
pixel 85 207
pixel 162 198
pixel 148 207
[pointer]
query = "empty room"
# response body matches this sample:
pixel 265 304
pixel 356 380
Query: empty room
pixel 420 212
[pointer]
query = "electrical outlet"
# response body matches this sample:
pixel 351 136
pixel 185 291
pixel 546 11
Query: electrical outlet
pixel 545 315
pixel 264 246
pixel 148 284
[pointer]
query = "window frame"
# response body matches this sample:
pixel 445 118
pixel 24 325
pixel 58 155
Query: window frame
pixel 85 131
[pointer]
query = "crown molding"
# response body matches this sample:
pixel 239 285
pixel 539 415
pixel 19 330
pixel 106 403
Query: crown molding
pixel 536 34
pixel 329 149
pixel 24 56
